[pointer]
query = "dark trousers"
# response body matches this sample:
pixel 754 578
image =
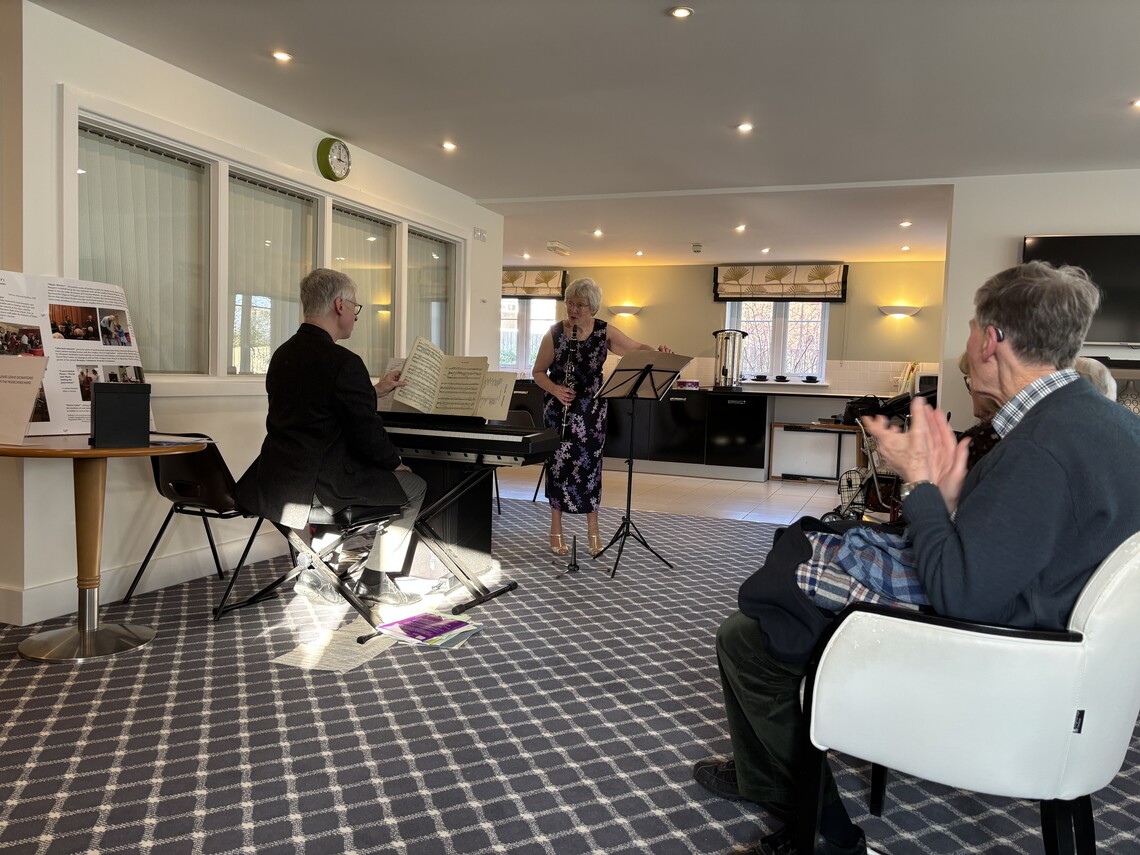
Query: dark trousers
pixel 762 701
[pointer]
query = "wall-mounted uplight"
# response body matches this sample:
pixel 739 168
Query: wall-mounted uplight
pixel 900 311
pixel 624 310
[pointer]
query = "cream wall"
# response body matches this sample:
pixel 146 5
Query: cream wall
pixel 678 309
pixel 989 219
pixel 62 68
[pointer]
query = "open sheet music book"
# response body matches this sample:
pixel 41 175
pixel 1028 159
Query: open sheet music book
pixel 452 385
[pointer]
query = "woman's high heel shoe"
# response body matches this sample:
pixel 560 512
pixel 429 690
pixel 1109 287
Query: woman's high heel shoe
pixel 558 546
pixel 595 543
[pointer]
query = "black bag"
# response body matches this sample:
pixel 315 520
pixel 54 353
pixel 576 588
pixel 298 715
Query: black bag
pixel 868 405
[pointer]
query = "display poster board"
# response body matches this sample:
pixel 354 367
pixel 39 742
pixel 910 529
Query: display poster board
pixel 86 334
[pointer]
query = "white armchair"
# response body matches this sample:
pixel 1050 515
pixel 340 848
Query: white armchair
pixel 1026 714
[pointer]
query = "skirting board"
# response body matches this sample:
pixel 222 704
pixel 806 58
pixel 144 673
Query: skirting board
pixel 32 605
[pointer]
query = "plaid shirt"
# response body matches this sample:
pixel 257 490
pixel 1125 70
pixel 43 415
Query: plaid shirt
pixel 860 565
pixel 1014 411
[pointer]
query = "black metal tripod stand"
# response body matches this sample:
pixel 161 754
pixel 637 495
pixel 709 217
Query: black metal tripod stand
pixel 628 527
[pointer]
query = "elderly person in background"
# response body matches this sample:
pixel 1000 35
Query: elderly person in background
pixel 1097 374
pixel 568 369
pixel 1011 542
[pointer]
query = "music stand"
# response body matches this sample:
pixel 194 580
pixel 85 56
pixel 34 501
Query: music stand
pixel 640 374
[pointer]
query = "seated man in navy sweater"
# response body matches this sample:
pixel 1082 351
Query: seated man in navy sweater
pixel 1012 542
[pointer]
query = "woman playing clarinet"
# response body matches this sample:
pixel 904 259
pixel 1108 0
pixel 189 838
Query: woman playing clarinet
pixel 569 369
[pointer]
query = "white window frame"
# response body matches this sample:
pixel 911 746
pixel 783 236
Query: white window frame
pixel 78 107
pixel 780 334
pixel 522 338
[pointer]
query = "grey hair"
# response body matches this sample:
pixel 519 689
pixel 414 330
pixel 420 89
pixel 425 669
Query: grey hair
pixel 1097 373
pixel 320 289
pixel 1043 311
pixel 587 288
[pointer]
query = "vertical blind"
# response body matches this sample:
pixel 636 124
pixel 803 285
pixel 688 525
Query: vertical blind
pixel 144 225
pixel 272 247
pixel 431 289
pixel 363 247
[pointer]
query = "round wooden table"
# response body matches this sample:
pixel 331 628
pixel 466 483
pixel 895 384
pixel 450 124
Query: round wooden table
pixel 87 639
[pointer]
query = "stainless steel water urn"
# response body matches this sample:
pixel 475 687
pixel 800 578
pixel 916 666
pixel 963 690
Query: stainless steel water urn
pixel 728 347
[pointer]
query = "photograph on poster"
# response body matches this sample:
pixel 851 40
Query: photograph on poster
pixel 87 374
pixel 74 323
pixel 18 339
pixel 113 327
pixel 123 373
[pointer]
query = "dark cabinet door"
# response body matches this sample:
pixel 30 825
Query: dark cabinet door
pixel 620 424
pixel 677 428
pixel 736 430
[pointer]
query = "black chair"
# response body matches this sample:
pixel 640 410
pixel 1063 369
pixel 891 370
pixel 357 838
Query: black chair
pixel 197 485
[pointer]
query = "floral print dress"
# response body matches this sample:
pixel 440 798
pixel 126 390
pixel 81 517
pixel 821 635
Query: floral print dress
pixel 574 474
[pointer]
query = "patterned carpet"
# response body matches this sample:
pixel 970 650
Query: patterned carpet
pixel 569 725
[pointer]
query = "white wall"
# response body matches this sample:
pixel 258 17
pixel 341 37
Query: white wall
pixel 989 219
pixel 65 68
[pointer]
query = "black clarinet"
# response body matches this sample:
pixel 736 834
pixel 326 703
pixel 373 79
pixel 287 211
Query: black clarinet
pixel 568 380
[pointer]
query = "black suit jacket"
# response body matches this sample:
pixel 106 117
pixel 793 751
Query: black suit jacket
pixel 324 438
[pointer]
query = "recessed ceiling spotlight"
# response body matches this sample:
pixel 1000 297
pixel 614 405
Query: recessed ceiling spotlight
pixel 906 224
pixel 282 56
pixel 340 258
pixel 744 127
pixel 1136 103
pixel 370 238
pixel 526 255
pixel 81 172
pixel 598 233
pixel 681 12
pixel 905 248
pixel 741 228
pixel 639 253
pixel 766 250
pixel 448 145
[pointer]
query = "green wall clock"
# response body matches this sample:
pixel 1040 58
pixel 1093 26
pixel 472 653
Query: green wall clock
pixel 333 159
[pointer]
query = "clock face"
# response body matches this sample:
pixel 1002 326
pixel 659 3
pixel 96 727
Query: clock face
pixel 340 161
pixel 333 159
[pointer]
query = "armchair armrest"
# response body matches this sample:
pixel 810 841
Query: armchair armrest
pixel 930 695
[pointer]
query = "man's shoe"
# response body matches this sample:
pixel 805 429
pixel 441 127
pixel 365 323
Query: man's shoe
pixel 317 587
pixel 783 842
pixel 718 777
pixel 387 593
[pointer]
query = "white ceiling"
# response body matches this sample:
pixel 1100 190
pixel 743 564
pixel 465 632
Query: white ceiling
pixel 572 115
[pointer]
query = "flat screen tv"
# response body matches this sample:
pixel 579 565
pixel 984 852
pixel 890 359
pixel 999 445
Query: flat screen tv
pixel 1113 262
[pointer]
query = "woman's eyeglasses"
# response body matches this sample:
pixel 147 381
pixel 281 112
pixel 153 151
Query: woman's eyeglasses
pixel 581 307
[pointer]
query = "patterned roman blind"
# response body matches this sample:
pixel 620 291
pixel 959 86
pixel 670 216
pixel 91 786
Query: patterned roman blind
pixel 799 282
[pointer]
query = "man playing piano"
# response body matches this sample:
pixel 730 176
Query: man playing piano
pixel 324 439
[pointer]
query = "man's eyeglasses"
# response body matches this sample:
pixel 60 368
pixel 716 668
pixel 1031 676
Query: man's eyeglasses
pixel 356 313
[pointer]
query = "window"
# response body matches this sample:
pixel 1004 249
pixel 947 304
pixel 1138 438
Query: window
pixel 144 224
pixel 363 247
pixel 431 289
pixel 783 338
pixel 522 324
pixel 272 247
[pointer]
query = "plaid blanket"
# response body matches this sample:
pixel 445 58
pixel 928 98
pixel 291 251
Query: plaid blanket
pixel 860 565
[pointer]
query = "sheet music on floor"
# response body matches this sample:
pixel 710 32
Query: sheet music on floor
pixel 431 629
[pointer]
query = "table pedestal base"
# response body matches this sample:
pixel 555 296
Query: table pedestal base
pixel 73 645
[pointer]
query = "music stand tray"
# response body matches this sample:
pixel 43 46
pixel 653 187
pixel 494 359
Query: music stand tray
pixel 642 374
